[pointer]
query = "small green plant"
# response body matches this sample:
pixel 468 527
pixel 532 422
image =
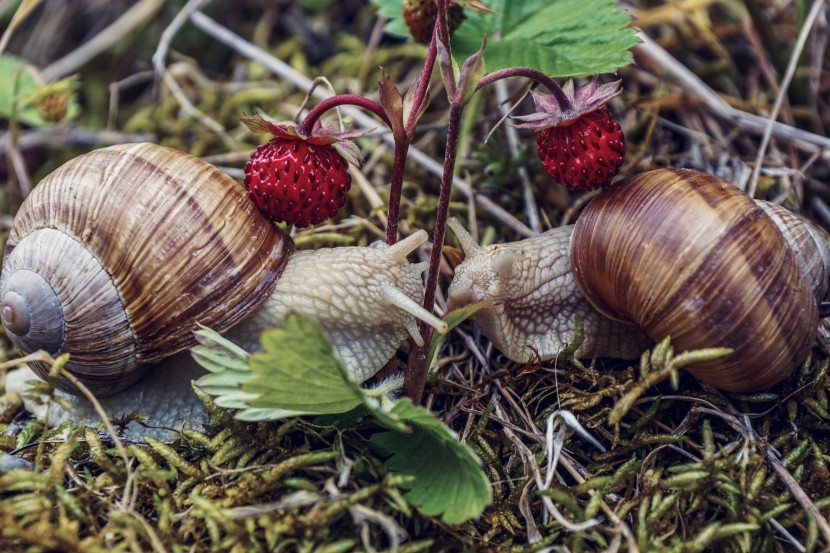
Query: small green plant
pixel 299 374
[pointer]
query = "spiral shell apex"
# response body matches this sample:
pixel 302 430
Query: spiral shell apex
pixel 118 254
pixel 697 260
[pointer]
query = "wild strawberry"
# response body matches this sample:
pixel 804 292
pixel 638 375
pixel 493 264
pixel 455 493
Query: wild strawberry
pixel 581 147
pixel 420 16
pixel 302 180
pixel 584 154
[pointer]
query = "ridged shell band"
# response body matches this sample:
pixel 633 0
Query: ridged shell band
pixel 73 306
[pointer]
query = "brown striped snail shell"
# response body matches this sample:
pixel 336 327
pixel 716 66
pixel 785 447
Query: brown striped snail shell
pixel 93 265
pixel 699 261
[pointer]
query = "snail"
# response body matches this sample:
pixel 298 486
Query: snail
pixel 677 253
pixel 119 253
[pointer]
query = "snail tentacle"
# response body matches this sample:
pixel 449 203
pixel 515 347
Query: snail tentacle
pixel 399 250
pixel 468 245
pixel 395 297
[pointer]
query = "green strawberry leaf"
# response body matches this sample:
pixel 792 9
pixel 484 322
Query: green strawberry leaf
pixel 444 477
pixel 299 372
pixel 453 319
pixel 296 374
pixel 227 365
pixel 562 38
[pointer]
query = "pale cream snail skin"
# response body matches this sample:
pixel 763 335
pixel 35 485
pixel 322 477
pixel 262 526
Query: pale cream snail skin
pixel 165 394
pixel 667 252
pixel 119 253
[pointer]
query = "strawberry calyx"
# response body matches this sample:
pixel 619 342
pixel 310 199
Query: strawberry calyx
pixel 585 99
pixel 320 135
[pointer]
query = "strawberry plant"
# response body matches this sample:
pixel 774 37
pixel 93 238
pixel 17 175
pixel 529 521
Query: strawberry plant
pixel 579 144
pixel 300 177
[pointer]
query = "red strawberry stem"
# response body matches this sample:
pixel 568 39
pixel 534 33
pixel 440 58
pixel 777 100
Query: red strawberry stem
pixel 528 73
pixel 395 188
pixel 401 149
pixel 442 29
pixel 317 111
pixel 453 128
pixel 423 85
pixel 415 375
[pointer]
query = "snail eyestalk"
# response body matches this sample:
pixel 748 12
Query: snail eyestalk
pixel 400 250
pixel 404 302
pixel 469 245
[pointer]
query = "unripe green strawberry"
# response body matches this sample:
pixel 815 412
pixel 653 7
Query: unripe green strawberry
pixel 420 17
pixel 584 154
pixel 53 106
pixel 298 179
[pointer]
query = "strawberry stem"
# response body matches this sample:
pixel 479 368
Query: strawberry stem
pixel 453 127
pixel 528 73
pixel 441 27
pixel 396 185
pixel 317 111
pixel 415 374
pixel 423 85
pixel 401 149
pixel 416 367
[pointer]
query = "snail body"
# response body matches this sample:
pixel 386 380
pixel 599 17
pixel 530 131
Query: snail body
pixel 119 254
pixel 538 299
pixel 675 252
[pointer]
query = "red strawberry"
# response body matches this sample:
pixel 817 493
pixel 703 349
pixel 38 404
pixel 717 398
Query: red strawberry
pixel 302 180
pixel 580 145
pixel 296 182
pixel 584 154
pixel 420 16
